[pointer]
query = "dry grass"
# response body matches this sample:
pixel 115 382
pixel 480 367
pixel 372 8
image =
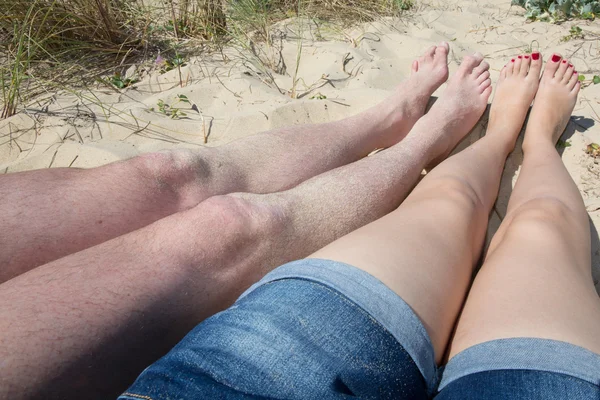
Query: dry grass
pixel 49 44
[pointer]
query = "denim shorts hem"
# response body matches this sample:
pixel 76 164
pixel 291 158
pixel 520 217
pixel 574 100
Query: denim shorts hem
pixel 380 302
pixel 524 354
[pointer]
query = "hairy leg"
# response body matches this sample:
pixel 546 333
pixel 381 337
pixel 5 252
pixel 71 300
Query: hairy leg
pixel 47 214
pixel 426 250
pixel 536 280
pixel 96 318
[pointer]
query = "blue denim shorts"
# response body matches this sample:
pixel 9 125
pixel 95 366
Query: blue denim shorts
pixel 316 329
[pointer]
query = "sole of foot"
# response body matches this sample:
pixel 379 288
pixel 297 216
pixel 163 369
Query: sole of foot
pixel 409 101
pixel 518 84
pixel 553 104
pixel 461 105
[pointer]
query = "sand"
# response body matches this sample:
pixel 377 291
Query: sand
pixel 360 66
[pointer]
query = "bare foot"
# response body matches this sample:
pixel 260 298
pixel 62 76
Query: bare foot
pixel 461 105
pixel 518 84
pixel 554 103
pixel 409 101
pixel 428 74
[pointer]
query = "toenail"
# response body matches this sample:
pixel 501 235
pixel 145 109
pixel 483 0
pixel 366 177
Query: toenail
pixel 571 65
pixel 527 57
pixel 513 60
pixel 520 56
pixel 564 61
pixel 555 58
pixel 535 56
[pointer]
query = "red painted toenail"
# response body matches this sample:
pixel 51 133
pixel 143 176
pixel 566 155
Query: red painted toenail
pixel 520 56
pixel 513 60
pixel 564 61
pixel 527 57
pixel 570 65
pixel 555 58
pixel 535 56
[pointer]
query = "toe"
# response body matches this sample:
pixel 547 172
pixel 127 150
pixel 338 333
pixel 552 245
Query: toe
pixel 536 65
pixel 442 49
pixel 525 63
pixel 485 84
pixel 503 73
pixel 430 53
pixel 562 69
pixel 415 66
pixel 483 77
pixel 569 70
pixel 573 81
pixel 517 67
pixel 576 88
pixel 481 68
pixel 441 53
pixel 510 67
pixel 446 46
pixel 470 62
pixel 552 66
pixel 487 92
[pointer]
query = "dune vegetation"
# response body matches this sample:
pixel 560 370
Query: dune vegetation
pixel 559 10
pixel 50 44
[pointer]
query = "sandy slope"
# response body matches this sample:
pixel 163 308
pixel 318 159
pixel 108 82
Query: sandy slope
pixel 115 125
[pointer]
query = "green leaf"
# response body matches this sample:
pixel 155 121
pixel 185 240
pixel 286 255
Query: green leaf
pixel 183 98
pixel 562 144
pixel 596 79
pixel 581 78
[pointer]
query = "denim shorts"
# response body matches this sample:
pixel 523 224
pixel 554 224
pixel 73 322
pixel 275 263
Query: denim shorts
pixel 316 329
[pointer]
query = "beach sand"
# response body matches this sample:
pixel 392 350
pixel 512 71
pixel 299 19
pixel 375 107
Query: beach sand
pixel 348 71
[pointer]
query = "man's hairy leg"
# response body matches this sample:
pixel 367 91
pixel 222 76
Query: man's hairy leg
pixel 93 320
pixel 48 214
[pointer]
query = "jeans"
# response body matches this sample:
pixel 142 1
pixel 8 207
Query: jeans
pixel 317 329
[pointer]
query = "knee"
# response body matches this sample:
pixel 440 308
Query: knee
pixel 549 218
pixel 458 194
pixel 247 215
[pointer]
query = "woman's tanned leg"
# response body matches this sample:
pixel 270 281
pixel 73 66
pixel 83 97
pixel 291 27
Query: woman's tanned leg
pixel 426 250
pixel 536 280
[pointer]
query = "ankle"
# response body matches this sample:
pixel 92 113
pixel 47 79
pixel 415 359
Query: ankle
pixel 535 142
pixel 503 141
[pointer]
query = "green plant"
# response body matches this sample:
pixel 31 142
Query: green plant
pixel 559 10
pixel 574 33
pixel 404 4
pixel 13 73
pixel 168 64
pixel 172 111
pixel 593 150
pixel 120 82
pixel 585 82
pixel 318 96
pixel 563 144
